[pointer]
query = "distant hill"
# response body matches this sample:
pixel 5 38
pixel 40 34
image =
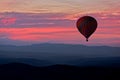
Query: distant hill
pixel 59 62
pixel 29 61
pixel 83 62
pixel 18 71
pixel 46 49
pixel 51 54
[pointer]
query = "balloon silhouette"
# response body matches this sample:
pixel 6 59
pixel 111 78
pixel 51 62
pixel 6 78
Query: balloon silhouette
pixel 86 26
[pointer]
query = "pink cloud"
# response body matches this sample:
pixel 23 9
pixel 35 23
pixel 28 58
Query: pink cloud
pixel 44 27
pixel 61 35
pixel 8 21
pixel 34 34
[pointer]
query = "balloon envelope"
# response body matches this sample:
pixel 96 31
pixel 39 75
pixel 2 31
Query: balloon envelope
pixel 86 26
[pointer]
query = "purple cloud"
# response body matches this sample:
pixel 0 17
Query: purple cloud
pixel 35 20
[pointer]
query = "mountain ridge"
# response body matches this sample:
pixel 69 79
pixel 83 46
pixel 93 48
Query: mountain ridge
pixel 18 71
pixel 40 44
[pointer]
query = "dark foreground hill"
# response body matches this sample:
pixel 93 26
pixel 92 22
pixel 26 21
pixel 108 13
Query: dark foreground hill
pixel 18 71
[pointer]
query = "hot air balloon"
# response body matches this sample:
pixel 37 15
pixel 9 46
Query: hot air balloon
pixel 86 26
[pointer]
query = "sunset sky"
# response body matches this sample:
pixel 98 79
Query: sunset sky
pixel 54 21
